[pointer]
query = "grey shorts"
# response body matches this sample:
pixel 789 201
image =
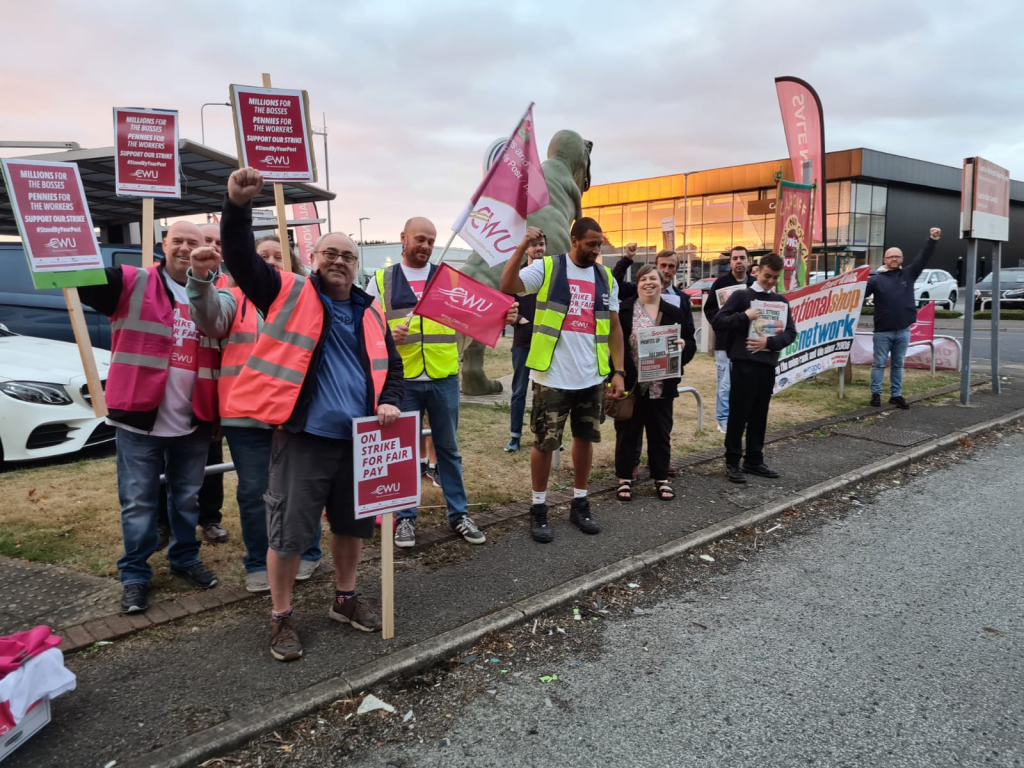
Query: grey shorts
pixel 310 474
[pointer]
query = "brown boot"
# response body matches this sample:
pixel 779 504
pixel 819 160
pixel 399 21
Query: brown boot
pixel 284 640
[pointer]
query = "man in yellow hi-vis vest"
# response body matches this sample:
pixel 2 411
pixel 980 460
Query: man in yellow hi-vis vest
pixel 430 355
pixel 576 330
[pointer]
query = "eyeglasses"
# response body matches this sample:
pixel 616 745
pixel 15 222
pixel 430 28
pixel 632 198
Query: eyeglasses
pixel 331 256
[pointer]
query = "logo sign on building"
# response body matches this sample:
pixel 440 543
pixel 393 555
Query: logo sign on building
pixel 985 201
pixel 668 233
pixel 272 129
pixel 146 153
pixel 465 305
pixel 386 464
pixel 826 316
pixel 792 232
pixel 306 235
pixel 49 205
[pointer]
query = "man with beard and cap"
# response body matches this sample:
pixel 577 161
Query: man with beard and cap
pixel 430 358
pixel 325 356
pixel 162 397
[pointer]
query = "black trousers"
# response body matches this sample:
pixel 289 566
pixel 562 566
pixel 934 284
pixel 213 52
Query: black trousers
pixel 749 396
pixel 211 495
pixel 654 417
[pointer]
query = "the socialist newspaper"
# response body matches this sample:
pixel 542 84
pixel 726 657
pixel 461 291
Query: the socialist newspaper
pixel 658 356
pixel 771 321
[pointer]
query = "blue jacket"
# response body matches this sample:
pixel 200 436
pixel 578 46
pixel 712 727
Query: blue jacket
pixel 895 306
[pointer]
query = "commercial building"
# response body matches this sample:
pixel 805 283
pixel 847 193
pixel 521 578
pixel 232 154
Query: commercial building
pixel 874 201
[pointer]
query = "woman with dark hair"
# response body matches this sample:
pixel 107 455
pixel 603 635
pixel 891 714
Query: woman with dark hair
pixel 652 409
pixel 269 249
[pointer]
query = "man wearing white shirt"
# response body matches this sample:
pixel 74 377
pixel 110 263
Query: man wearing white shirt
pixel 576 331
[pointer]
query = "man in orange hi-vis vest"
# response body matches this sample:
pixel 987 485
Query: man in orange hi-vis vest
pixel 324 357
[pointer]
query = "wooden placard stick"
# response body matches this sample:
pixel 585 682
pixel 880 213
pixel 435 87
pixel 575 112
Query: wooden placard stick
pixel 282 218
pixel 92 375
pixel 387 576
pixel 147 232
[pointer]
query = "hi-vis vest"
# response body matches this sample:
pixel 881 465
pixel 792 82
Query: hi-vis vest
pixel 142 342
pixel 553 300
pixel 270 381
pixel 430 346
pixel 237 347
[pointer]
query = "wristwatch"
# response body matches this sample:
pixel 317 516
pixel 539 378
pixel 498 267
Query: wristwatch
pixel 619 373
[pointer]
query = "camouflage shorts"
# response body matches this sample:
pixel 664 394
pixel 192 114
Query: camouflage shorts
pixel 583 407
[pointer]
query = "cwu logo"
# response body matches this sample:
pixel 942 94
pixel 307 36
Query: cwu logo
pixel 463 298
pixel 61 242
pixel 386 490
pixel 144 174
pixel 482 219
pixel 282 160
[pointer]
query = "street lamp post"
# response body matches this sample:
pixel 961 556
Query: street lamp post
pixel 361 220
pixel 327 168
pixel 202 124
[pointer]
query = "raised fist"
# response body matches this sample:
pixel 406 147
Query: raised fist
pixel 205 261
pixel 935 233
pixel 630 251
pixel 533 234
pixel 243 185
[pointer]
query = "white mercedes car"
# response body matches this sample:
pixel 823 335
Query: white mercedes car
pixel 45 408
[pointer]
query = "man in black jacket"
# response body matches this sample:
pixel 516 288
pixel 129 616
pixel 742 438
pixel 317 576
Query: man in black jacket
pixel 895 311
pixel 667 263
pixel 737 275
pixel 753 367
pixel 311 466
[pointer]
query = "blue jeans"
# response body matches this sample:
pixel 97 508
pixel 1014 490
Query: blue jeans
pixel 140 460
pixel 724 369
pixel 520 384
pixel 887 343
pixel 440 399
pixel 250 452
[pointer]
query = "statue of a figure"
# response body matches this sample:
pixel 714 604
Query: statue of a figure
pixel 567 173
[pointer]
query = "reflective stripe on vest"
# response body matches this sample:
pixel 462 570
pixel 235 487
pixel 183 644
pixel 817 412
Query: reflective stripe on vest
pixel 430 346
pixel 142 342
pixel 268 386
pixel 237 347
pixel 550 315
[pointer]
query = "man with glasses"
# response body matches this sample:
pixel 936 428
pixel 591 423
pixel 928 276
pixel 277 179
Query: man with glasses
pixel 325 357
pixel 430 358
pixel 895 311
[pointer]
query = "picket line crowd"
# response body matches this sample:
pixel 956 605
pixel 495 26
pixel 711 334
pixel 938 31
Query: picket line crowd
pixel 218 340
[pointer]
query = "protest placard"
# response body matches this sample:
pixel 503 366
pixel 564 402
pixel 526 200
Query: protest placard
pixel 146 162
pixel 306 235
pixel 465 305
pixel 658 355
pixel 49 205
pixel 826 316
pixel 272 131
pixel 386 472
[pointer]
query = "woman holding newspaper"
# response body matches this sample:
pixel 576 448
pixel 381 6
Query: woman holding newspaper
pixel 659 342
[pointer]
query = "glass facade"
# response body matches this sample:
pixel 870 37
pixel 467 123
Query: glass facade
pixel 706 227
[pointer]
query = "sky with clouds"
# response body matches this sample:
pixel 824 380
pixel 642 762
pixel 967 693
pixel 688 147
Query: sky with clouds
pixel 414 92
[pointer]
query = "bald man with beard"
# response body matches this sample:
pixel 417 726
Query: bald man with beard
pixel 161 395
pixel 430 358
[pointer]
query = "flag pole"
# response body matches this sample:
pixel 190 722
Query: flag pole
pixel 447 246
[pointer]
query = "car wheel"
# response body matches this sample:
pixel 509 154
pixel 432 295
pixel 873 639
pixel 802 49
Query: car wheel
pixel 952 300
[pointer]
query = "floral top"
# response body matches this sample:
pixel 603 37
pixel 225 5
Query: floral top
pixel 643 320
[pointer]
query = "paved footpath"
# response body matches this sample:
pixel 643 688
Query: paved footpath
pixel 163 685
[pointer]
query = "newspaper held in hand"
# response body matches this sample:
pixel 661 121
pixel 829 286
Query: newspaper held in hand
pixel 658 356
pixel 723 294
pixel 772 320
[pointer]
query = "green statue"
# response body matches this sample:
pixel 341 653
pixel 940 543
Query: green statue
pixel 567 173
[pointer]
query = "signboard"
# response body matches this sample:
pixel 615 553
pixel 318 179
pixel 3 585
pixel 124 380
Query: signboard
pixel 272 129
pixel 826 316
pixel 146 153
pixel 668 233
pixel 386 464
pixel 985 201
pixel 792 232
pixel 465 305
pixel 48 203
pixel 761 207
pixel 306 235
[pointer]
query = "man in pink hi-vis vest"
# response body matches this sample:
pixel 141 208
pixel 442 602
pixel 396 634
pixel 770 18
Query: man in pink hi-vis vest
pixel 162 394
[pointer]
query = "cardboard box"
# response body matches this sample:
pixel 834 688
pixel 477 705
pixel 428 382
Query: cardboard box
pixel 33 721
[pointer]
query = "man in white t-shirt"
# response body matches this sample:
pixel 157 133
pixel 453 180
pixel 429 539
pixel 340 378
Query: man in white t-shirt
pixel 161 396
pixel 430 357
pixel 576 342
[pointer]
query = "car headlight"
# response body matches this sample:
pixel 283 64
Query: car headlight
pixel 36 392
pixel 977 294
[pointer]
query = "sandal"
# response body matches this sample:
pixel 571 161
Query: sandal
pixel 665 492
pixel 625 490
